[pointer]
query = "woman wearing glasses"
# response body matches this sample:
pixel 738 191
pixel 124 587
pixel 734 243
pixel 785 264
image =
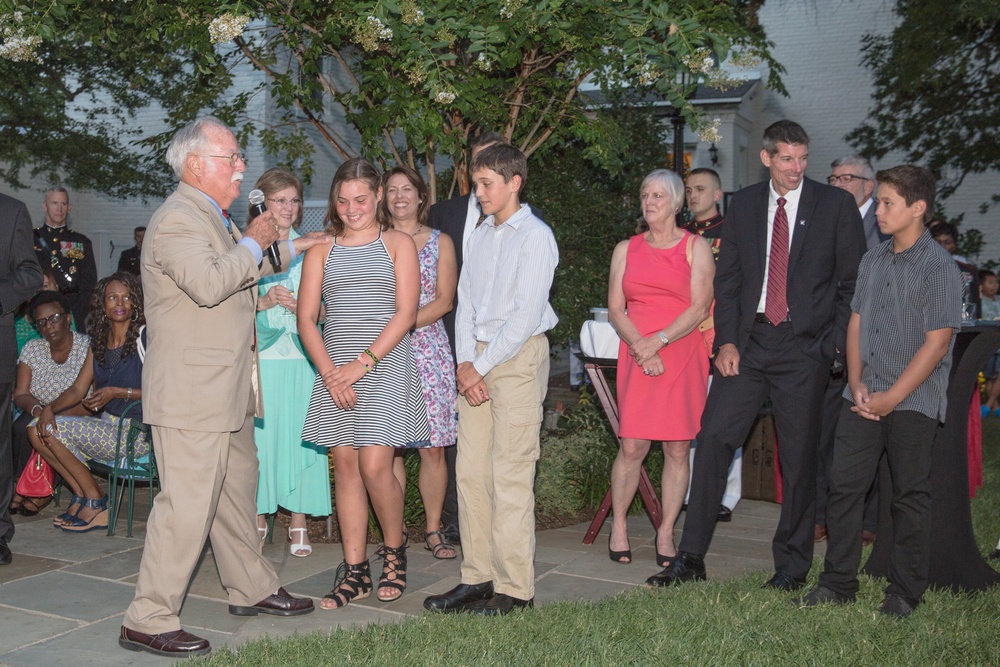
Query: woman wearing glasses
pixel 46 368
pixel 293 473
pixel 113 370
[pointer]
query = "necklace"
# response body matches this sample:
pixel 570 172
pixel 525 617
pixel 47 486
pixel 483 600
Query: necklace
pixel 419 227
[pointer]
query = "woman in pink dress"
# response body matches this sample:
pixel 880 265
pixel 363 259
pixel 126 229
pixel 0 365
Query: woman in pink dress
pixel 660 291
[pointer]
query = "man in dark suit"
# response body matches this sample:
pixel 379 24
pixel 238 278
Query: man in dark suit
pixel 783 286
pixel 20 277
pixel 853 174
pixel 129 259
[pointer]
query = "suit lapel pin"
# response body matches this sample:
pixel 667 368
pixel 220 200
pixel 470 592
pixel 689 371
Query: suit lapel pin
pixel 802 223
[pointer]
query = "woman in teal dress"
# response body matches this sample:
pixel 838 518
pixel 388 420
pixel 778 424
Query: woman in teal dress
pixel 293 474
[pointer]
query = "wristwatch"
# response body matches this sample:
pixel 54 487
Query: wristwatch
pixel 663 338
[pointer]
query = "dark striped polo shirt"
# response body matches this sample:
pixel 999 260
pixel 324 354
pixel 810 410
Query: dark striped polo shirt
pixel 900 297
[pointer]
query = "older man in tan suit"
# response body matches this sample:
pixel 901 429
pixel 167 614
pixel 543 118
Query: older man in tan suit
pixel 200 394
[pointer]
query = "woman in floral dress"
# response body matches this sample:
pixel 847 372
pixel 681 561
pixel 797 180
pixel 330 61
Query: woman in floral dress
pixel 407 206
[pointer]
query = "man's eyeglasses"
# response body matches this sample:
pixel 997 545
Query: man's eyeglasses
pixel 51 319
pixel 286 202
pixel 844 178
pixel 233 159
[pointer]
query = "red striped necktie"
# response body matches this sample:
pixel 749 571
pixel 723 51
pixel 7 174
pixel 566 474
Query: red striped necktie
pixel 776 305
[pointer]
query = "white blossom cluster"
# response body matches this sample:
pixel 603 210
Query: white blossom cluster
pixel 483 62
pixel 700 62
pixel 647 74
pixel 710 133
pixel 380 30
pixel 410 14
pixel 371 32
pixel 226 28
pixel 444 97
pixel 509 7
pixel 17 45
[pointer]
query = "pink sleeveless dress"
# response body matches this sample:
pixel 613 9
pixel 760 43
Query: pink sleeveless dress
pixel 657 287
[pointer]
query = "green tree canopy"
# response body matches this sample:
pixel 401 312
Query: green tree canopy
pixel 406 80
pixel 937 89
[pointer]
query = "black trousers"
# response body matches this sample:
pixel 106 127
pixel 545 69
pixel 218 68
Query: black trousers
pixel 833 402
pixel 449 512
pixel 6 462
pixel 906 438
pixel 772 366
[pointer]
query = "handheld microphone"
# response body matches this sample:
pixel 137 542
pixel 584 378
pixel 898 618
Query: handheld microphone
pixel 256 208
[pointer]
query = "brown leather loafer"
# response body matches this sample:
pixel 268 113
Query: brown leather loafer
pixel 176 644
pixel 279 604
pixel 819 532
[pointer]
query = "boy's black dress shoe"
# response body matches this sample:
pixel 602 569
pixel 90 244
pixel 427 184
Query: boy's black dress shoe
pixel 279 604
pixel 784 582
pixel 5 556
pixel 725 514
pixel 995 555
pixel 686 567
pixel 823 595
pixel 176 644
pixel 498 605
pixel 460 597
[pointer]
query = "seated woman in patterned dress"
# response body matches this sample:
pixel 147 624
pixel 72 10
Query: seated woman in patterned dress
pixel 114 368
pixel 45 368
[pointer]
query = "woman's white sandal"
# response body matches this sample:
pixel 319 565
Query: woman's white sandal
pixel 294 547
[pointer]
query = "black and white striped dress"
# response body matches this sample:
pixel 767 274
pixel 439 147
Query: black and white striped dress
pixel 359 289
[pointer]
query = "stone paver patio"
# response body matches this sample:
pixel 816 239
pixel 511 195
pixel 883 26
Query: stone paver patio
pixel 63 597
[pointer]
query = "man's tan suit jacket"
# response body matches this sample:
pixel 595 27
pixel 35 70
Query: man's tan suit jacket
pixel 200 298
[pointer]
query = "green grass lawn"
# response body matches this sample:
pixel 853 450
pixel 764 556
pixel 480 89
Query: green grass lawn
pixel 714 623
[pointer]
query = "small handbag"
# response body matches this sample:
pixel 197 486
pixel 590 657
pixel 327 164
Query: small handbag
pixel 37 479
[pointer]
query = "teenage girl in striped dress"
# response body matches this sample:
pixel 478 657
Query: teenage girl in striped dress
pixel 367 398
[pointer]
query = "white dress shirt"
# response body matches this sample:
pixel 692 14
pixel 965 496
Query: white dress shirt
pixel 791 210
pixel 503 292
pixel 471 218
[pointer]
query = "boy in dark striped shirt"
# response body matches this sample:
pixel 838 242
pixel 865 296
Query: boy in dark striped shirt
pixel 905 312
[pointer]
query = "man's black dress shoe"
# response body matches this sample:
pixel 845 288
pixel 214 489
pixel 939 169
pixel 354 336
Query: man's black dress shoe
pixel 686 567
pixel 995 555
pixel 5 555
pixel 897 605
pixel 498 605
pixel 823 595
pixel 176 644
pixel 460 597
pixel 279 604
pixel 725 514
pixel 784 582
